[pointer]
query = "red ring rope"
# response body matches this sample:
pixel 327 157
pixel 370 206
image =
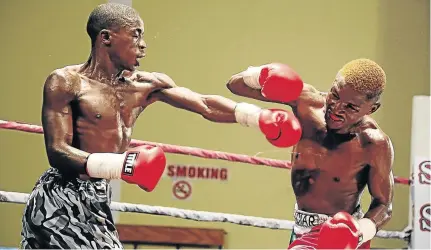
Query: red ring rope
pixel 175 149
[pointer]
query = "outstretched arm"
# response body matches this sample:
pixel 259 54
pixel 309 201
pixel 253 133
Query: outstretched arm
pixel 280 127
pixel 212 107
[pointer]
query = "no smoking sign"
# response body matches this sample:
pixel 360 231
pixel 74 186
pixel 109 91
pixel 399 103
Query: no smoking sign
pixel 182 190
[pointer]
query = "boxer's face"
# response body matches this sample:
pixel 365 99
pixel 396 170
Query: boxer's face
pixel 126 45
pixel 346 107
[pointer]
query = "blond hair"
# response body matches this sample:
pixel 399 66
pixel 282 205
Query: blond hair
pixel 365 76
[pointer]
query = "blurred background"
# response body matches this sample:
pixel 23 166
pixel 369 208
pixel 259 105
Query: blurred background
pixel 200 44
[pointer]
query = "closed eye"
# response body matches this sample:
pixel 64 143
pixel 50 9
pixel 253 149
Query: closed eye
pixel 335 95
pixel 350 106
pixel 137 33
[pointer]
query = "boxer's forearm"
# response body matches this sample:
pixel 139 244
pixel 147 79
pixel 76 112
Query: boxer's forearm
pixel 379 213
pixel 219 109
pixel 67 159
pixel 237 86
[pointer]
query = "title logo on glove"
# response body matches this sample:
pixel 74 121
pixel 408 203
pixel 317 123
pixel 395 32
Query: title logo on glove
pixel 129 163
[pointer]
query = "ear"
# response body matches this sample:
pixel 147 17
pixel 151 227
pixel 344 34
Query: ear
pixel 375 107
pixel 105 36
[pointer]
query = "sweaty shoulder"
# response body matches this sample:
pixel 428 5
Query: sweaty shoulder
pixel 63 81
pixel 371 134
pixel 311 96
pixel 378 146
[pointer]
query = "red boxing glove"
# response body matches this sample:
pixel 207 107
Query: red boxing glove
pixel 281 128
pixel 277 81
pixel 143 165
pixel 306 241
pixel 340 232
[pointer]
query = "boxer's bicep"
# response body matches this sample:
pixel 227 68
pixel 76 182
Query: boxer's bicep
pixel 56 110
pixel 381 182
pixel 380 176
pixel 179 97
pixel 57 122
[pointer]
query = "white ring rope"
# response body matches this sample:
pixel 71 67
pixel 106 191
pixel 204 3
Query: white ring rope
pixel 14 197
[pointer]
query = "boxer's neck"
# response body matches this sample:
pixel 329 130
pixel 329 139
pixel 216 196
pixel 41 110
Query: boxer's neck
pixel 99 67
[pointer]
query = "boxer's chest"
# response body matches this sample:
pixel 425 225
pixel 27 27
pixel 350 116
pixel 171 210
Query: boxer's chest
pixel 313 154
pixel 314 165
pixel 327 151
pixel 109 106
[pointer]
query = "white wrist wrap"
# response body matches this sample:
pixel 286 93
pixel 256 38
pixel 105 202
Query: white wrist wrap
pixel 105 165
pixel 368 229
pixel 251 77
pixel 247 114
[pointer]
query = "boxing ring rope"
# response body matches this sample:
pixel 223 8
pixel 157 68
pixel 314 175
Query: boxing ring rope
pixel 21 198
pixel 191 151
pixel 168 148
pixel 14 197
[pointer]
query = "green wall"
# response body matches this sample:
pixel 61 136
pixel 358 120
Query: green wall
pixel 200 44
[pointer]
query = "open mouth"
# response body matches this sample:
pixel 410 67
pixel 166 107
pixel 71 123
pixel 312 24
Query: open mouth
pixel 334 117
pixel 138 58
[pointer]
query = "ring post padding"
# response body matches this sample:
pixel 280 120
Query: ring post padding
pixel 420 168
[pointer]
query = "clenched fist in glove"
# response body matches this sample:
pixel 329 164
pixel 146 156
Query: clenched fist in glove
pixel 342 231
pixel 276 81
pixel 280 127
pixel 143 165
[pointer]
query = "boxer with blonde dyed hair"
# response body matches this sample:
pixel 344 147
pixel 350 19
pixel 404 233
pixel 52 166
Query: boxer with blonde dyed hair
pixel 365 76
pixel 341 151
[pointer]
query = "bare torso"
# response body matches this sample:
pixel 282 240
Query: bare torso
pixel 329 170
pixel 82 115
pixel 103 114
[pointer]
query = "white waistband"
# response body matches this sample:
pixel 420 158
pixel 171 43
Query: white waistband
pixel 304 221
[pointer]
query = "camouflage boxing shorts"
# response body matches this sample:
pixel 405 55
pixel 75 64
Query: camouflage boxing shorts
pixel 69 213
